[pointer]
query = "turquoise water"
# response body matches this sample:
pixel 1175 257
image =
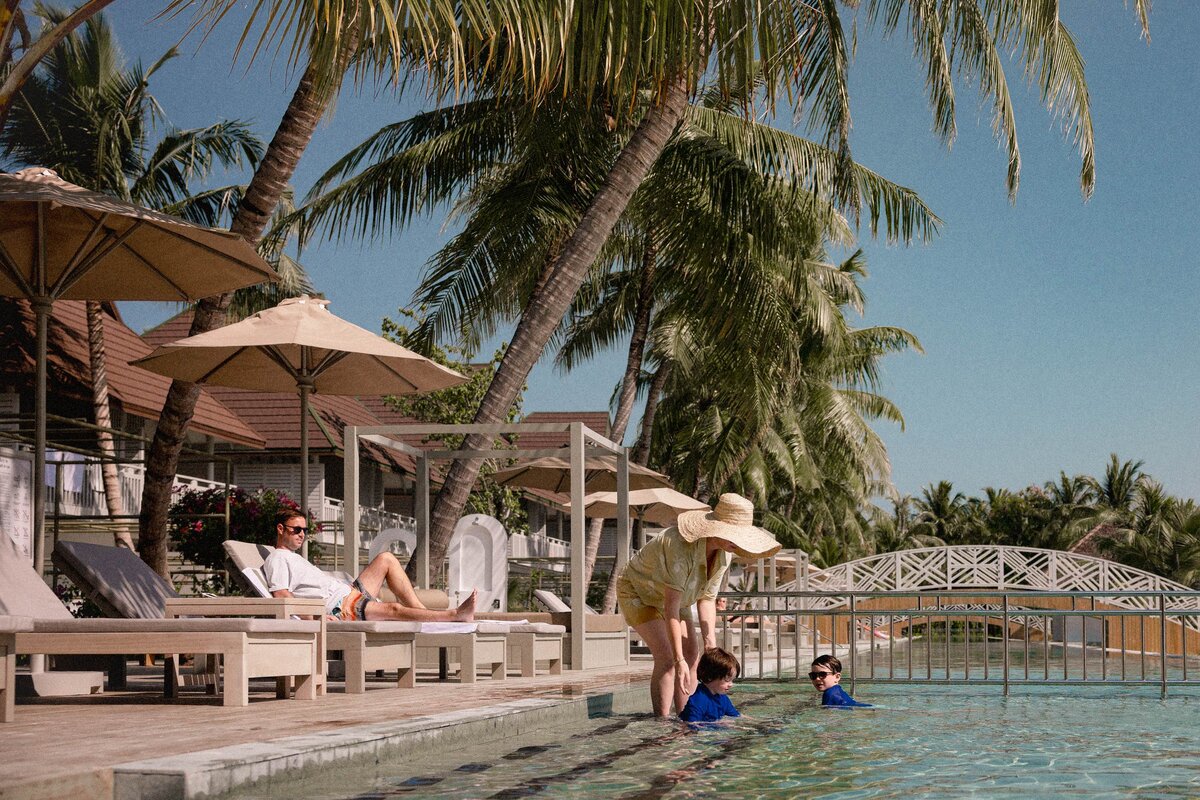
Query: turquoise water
pixel 925 741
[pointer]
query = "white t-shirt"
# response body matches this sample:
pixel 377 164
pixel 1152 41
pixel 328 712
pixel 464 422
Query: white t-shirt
pixel 287 570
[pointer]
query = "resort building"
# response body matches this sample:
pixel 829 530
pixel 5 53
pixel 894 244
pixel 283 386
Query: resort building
pixel 236 438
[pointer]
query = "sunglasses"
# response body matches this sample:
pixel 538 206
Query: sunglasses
pixel 296 528
pixel 812 676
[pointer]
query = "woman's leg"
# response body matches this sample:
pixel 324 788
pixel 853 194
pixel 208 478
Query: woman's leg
pixel 662 680
pixel 691 652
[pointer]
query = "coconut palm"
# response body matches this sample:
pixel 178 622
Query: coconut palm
pixel 1162 535
pixel 526 180
pixel 1116 491
pixel 806 51
pixel 88 116
pixel 940 511
pixel 664 47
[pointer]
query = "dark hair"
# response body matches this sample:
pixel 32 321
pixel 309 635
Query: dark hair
pixel 285 515
pixel 829 662
pixel 716 664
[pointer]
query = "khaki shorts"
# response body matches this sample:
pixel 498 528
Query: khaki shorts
pixel 637 613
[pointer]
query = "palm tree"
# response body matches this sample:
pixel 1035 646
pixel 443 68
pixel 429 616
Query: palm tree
pixel 89 117
pixel 813 63
pixel 15 36
pixel 625 47
pixel 940 511
pixel 523 179
pixel 1162 535
pixel 1116 491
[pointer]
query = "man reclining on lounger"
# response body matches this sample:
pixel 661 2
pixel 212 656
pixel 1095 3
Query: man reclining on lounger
pixel 291 575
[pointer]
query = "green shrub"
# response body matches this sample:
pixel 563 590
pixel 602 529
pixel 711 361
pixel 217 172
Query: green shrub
pixel 197 526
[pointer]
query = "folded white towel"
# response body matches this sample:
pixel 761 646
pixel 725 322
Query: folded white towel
pixel 449 627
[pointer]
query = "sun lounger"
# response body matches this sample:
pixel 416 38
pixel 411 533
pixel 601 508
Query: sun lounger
pixel 551 602
pixel 250 648
pixel 487 647
pixel 9 626
pixel 607 635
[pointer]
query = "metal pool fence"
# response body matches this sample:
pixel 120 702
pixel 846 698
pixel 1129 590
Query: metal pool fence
pixel 996 638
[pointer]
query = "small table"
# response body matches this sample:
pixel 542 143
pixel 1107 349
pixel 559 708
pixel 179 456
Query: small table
pixel 275 607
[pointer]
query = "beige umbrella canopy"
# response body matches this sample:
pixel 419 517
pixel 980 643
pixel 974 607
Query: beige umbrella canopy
pixel 660 505
pixel 60 241
pixel 301 342
pixel 553 474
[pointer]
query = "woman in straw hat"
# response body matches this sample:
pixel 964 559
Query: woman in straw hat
pixel 686 565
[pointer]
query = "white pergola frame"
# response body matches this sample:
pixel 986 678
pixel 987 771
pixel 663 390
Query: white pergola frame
pixel 583 442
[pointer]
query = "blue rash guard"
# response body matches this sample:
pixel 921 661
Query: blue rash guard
pixel 836 696
pixel 704 706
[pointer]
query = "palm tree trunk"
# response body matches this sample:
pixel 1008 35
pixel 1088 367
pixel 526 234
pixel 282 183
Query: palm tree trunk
pixel 295 131
pixel 103 417
pixel 637 343
pixel 547 308
pixel 633 366
pixel 641 450
pixel 19 73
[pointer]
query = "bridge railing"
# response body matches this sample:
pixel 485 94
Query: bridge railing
pixel 1002 638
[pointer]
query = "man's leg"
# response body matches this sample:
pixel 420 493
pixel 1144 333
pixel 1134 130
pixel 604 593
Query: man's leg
pixel 386 568
pixel 378 610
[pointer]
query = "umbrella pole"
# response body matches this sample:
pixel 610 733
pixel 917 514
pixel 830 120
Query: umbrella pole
pixel 305 389
pixel 41 310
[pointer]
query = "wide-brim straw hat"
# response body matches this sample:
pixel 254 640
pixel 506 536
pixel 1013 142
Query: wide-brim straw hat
pixel 733 521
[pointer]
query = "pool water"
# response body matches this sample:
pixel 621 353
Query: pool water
pixel 925 741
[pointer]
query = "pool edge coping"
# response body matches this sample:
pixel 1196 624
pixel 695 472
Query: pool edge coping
pixel 210 773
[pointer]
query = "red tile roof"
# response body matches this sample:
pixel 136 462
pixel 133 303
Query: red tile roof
pixel 276 415
pixel 596 420
pixel 174 329
pixel 139 392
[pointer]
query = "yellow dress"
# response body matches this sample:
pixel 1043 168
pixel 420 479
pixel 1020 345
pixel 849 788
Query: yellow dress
pixel 668 561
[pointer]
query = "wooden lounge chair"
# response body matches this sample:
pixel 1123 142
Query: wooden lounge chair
pixel 607 635
pixel 249 648
pixel 9 626
pixel 486 646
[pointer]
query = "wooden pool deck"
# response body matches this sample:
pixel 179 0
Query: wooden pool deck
pixel 68 747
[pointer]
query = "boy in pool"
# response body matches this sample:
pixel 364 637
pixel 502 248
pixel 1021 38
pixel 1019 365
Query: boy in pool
pixel 714 675
pixel 826 675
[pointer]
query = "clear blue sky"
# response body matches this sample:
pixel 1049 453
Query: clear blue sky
pixel 1055 331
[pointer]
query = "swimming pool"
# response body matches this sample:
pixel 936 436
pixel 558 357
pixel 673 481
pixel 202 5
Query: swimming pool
pixel 931 741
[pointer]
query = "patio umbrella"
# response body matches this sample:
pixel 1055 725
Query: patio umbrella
pixel 61 241
pixel 553 474
pixel 300 341
pixel 660 505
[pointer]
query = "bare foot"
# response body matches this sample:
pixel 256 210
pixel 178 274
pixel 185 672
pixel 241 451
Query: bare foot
pixel 466 609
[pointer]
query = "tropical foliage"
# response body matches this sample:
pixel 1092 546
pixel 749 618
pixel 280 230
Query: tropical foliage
pixel 1122 514
pixel 198 517
pixel 456 405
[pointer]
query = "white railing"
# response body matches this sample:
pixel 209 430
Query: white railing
pixel 370 521
pixel 523 546
pixel 79 489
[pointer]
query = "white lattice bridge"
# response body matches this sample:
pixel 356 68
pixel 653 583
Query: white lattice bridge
pixel 994 568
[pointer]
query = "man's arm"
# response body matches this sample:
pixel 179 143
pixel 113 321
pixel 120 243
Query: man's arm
pixel 282 593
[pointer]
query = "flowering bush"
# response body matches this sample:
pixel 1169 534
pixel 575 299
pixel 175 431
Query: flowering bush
pixel 197 526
